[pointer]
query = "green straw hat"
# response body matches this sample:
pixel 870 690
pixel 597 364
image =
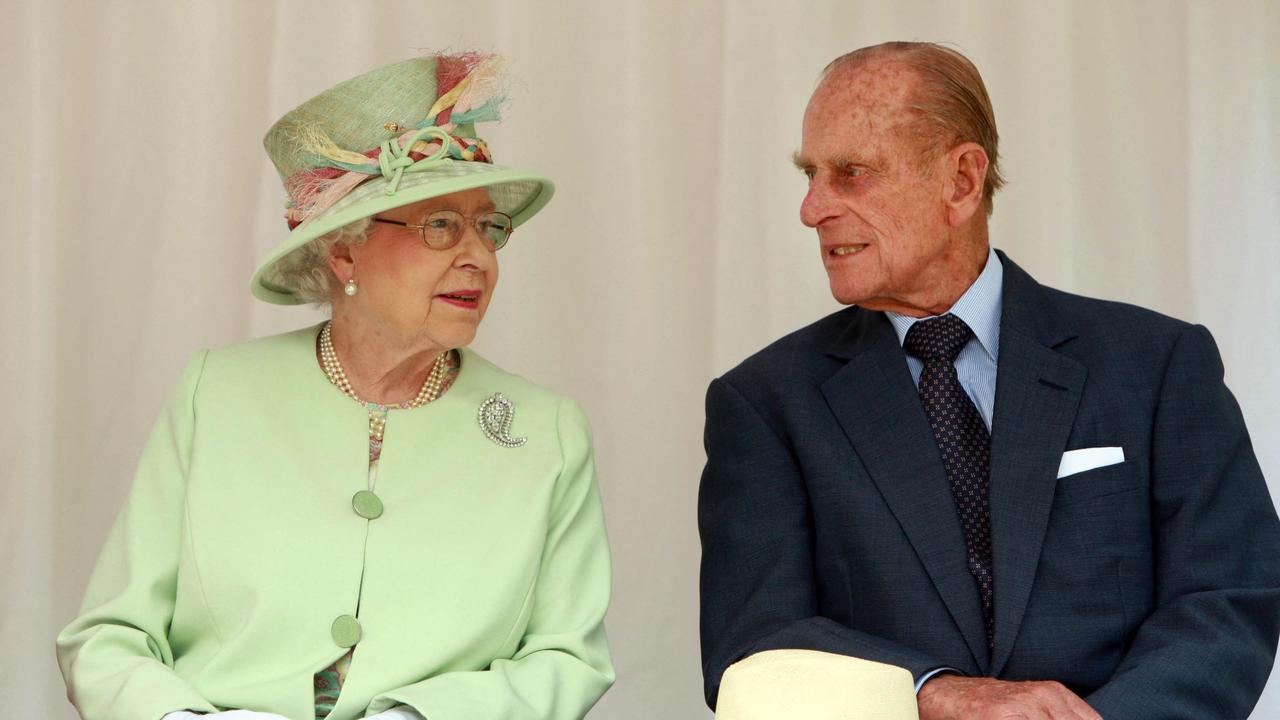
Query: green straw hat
pixel 390 137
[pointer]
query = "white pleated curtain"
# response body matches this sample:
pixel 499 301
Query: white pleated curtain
pixel 1139 139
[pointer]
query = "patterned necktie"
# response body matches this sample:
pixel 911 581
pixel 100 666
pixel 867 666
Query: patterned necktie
pixel 962 438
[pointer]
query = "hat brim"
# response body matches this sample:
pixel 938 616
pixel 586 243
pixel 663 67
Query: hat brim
pixel 518 193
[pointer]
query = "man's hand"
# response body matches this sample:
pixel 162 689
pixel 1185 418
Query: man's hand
pixel 952 697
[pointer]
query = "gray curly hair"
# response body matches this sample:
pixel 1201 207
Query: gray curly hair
pixel 306 269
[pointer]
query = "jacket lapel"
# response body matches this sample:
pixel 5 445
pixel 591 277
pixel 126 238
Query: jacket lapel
pixel 1037 395
pixel 878 407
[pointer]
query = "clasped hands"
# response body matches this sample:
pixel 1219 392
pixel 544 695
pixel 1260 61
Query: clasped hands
pixel 224 715
pixel 395 713
pixel 954 697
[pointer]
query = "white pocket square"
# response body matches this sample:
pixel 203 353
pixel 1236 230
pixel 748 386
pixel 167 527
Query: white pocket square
pixel 1077 461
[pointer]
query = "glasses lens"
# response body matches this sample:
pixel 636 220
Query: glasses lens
pixel 496 228
pixel 442 229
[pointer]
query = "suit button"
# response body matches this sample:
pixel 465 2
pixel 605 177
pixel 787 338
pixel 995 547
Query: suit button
pixel 346 631
pixel 367 505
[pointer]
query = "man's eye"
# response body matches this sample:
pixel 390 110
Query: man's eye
pixel 853 171
pixel 808 173
pixel 439 224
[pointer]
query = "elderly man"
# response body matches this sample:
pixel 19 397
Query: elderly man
pixel 1042 505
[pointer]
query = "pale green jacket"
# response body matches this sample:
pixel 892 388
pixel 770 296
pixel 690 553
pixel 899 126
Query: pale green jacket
pixel 480 591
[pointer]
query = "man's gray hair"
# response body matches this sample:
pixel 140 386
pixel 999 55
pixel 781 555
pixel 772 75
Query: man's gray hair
pixel 952 103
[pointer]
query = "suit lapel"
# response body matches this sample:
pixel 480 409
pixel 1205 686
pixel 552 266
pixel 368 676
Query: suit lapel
pixel 1037 394
pixel 878 407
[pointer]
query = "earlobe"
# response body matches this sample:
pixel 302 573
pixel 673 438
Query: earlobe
pixel 969 173
pixel 343 267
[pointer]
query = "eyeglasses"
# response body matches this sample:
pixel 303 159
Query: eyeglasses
pixel 443 228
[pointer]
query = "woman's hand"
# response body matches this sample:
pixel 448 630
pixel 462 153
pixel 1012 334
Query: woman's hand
pixel 399 712
pixel 224 715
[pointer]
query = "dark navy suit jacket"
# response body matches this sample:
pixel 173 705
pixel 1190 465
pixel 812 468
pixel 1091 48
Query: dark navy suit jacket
pixel 1150 587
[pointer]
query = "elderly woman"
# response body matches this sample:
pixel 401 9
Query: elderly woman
pixel 364 518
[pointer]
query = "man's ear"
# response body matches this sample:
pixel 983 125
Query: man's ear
pixel 965 166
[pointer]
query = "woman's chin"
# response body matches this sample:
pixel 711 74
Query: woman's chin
pixel 455 337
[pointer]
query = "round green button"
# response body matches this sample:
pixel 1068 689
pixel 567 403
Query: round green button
pixel 346 631
pixel 367 505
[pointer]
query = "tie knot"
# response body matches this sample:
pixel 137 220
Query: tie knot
pixel 937 338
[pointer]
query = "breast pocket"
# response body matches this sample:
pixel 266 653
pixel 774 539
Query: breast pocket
pixel 1098 483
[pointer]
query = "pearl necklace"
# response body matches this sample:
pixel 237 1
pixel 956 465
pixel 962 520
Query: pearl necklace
pixel 333 370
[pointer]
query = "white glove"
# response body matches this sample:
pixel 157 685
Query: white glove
pixel 227 715
pixel 399 712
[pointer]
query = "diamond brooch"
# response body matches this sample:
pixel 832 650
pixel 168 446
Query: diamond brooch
pixel 495 418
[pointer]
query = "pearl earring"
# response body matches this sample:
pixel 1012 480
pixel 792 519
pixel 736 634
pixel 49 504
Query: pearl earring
pixel 350 288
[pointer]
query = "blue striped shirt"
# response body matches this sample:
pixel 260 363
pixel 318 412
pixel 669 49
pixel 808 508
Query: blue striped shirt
pixel 979 307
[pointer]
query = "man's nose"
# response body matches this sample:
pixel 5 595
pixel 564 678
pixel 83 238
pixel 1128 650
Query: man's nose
pixel 819 203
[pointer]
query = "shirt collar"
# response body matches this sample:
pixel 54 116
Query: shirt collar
pixel 979 307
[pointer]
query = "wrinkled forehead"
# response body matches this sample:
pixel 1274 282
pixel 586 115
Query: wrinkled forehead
pixel 874 94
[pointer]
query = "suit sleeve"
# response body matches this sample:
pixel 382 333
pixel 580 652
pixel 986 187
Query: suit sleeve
pixel 562 665
pixel 1207 649
pixel 757 585
pixel 115 657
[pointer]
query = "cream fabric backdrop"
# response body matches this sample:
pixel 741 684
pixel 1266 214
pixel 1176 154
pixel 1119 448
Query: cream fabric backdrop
pixel 1140 140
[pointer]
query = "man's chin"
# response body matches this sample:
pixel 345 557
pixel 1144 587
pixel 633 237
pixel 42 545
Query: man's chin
pixel 847 295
